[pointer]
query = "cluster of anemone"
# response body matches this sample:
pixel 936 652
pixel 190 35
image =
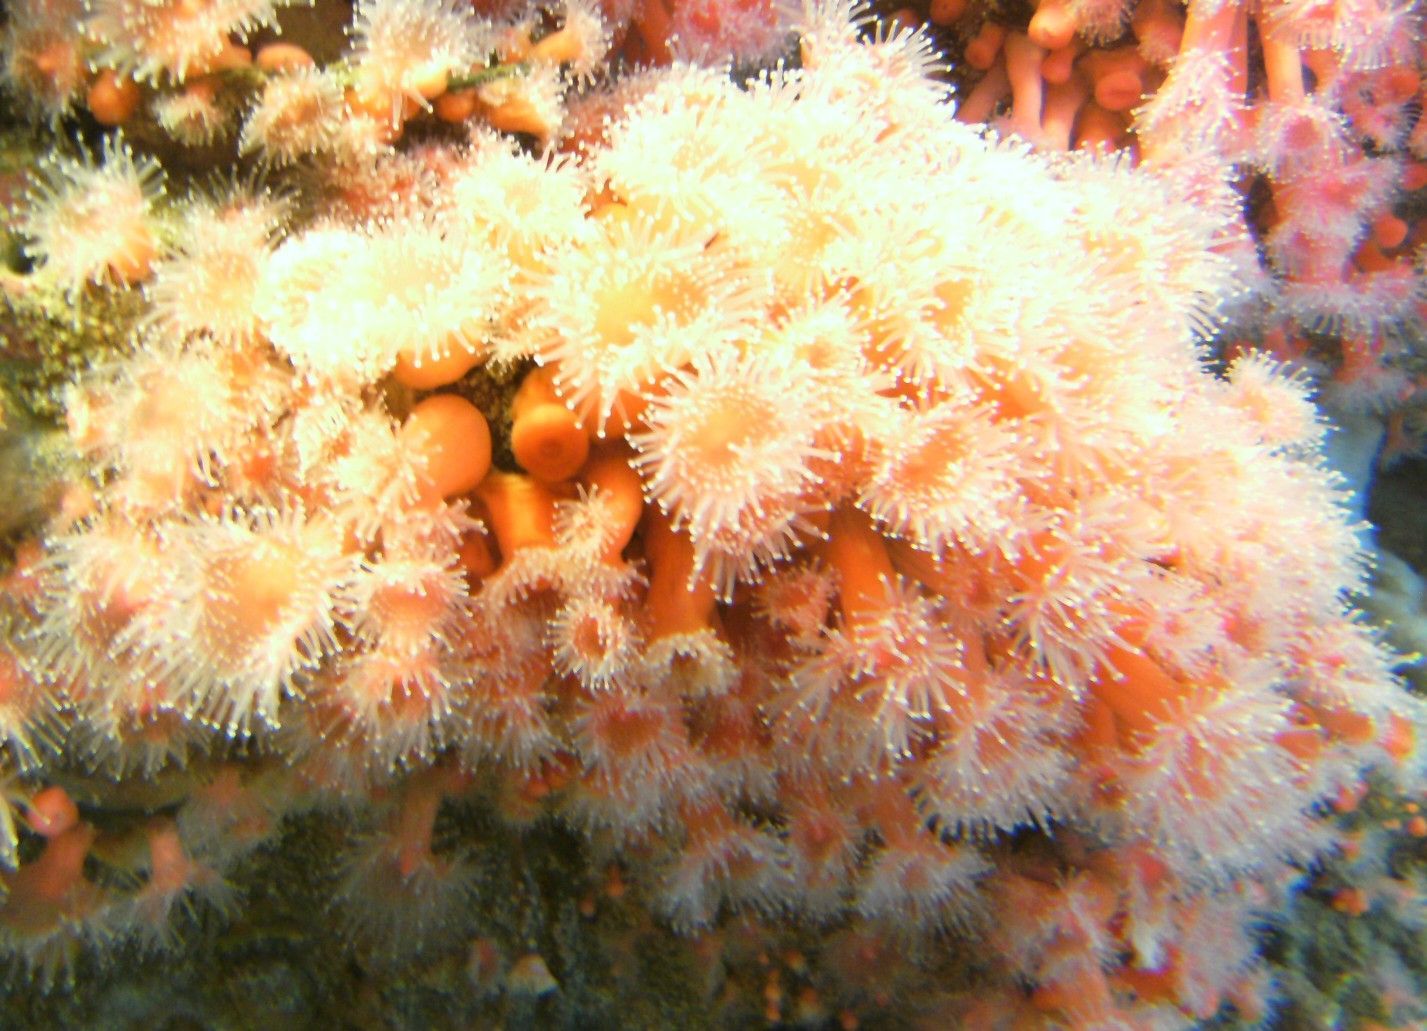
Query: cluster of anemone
pixel 207 72
pixel 870 508
pixel 1315 105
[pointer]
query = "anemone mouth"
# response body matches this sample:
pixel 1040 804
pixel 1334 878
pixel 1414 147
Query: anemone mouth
pixel 90 222
pixel 254 601
pixel 249 599
pixel 638 300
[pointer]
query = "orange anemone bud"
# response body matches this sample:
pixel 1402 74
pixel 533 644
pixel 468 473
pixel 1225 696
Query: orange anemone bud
pixel 439 365
pixel 372 96
pixel 473 555
pixel 517 114
pixel 1118 77
pixel 1399 738
pixel 112 98
pixel 652 23
pixel 1099 127
pixel 980 53
pixel 678 602
pixel 430 81
pixel 1136 688
pixel 859 555
pixel 52 812
pixel 1053 24
pixel 548 440
pixel 60 867
pixel 562 46
pixel 1344 724
pixel 452 435
pixel 1350 901
pixel 456 106
pixel 1058 65
pixel 1389 231
pixel 522 512
pixel 944 12
pixel 283 57
pixel 231 58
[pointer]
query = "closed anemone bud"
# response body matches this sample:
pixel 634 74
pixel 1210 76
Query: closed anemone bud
pixel 53 881
pixel 283 57
pixel 532 104
pixel 455 106
pixel 112 99
pixel 546 437
pixel 549 443
pixel 1053 24
pixel 52 812
pixel 453 439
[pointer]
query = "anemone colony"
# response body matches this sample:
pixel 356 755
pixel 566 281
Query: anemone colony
pixel 818 510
